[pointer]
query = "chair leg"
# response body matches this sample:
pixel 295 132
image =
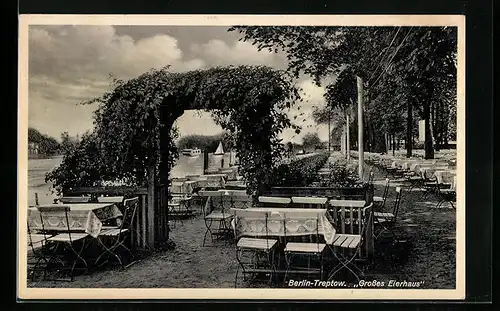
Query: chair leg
pixel 208 231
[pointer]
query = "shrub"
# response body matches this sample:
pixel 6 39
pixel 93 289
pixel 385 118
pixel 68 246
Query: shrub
pixel 299 173
pixel 341 175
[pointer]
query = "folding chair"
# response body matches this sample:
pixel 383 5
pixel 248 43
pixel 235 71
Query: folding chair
pixel 379 202
pixel 179 207
pixel 347 247
pixel 215 211
pixel 37 258
pixel 447 195
pixel 385 221
pixel 64 243
pixel 257 245
pixel 117 236
pixel 312 250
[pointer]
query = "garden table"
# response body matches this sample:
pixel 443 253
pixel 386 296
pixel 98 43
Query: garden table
pixel 87 217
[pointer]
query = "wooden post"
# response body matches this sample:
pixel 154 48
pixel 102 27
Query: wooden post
pixel 36 198
pixel 348 139
pixel 151 206
pixel 360 128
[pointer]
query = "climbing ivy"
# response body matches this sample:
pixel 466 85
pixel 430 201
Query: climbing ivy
pixel 134 122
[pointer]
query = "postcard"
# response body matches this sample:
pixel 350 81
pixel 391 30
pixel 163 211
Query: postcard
pixel 241 157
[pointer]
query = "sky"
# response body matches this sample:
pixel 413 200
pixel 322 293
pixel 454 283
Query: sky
pixel 71 64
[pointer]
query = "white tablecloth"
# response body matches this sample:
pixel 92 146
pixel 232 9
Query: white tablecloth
pixel 283 222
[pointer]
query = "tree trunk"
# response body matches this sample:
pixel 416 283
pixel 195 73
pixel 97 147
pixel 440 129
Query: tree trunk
pixel 409 129
pixel 428 145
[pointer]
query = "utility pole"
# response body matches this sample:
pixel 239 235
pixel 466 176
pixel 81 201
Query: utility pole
pixel 361 158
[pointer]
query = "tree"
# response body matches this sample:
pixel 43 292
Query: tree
pixel 311 141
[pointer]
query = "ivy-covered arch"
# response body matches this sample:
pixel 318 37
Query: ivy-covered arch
pixel 134 124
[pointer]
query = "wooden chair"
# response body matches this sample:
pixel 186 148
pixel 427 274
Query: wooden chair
pixel 261 248
pixel 347 247
pixel 385 221
pixel 215 211
pixel 113 238
pixel 312 250
pixel 64 243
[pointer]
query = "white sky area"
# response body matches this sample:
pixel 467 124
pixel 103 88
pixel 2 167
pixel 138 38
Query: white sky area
pixel 71 64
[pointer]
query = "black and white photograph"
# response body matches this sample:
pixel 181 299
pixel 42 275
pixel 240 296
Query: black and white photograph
pixel 242 156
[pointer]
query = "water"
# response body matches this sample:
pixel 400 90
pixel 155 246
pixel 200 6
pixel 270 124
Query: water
pixel 37 168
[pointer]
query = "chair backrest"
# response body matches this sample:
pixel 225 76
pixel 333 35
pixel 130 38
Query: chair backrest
pixel 316 223
pixel 75 200
pixel 30 239
pixel 53 208
pixel 397 202
pixel 454 184
pixel 240 198
pixel 371 176
pixel 274 201
pixel 46 210
pixel 214 201
pixel 348 215
pixel 386 191
pixel 250 223
pixel 129 212
pixel 309 202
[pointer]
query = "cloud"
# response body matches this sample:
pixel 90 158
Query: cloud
pixel 219 53
pixel 71 64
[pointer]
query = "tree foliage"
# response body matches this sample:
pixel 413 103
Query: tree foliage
pixel 47 145
pixel 311 141
pixel 399 65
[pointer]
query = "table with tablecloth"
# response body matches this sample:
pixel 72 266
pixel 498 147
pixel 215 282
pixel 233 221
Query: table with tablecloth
pixel 87 217
pixel 299 222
